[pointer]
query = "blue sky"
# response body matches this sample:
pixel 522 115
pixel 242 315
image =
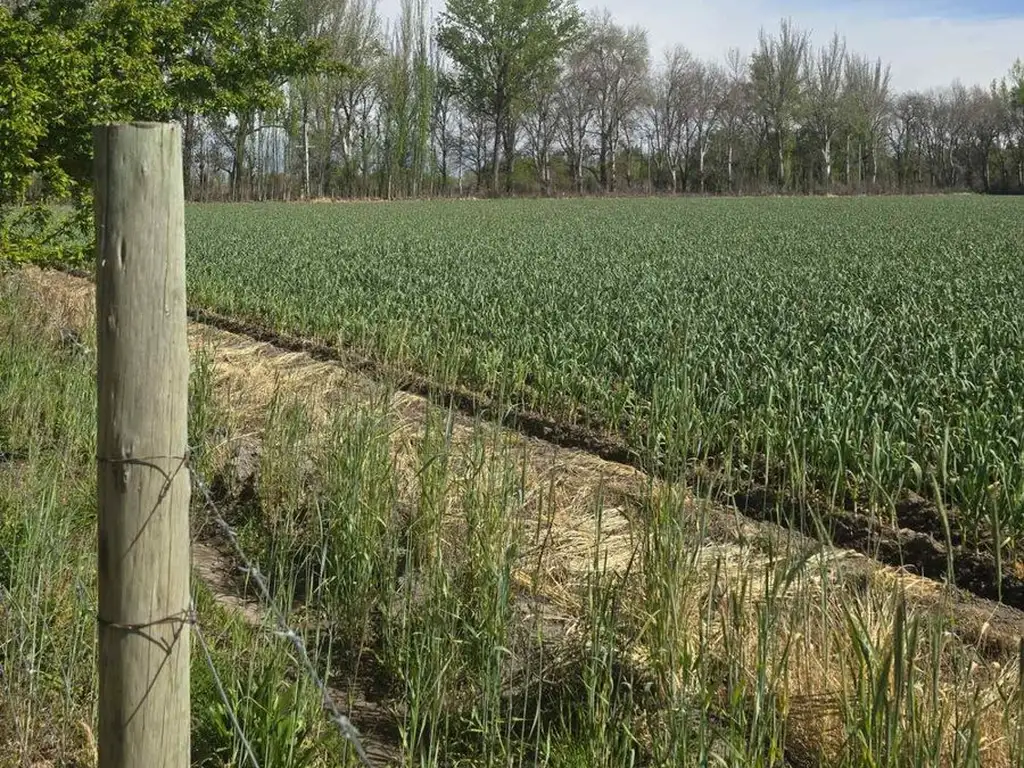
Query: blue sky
pixel 965 9
pixel 928 42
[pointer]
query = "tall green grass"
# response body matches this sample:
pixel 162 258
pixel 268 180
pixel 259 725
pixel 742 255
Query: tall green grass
pixel 48 565
pixel 47 561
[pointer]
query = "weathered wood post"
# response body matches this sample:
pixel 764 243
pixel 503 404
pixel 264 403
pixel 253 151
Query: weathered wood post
pixel 142 472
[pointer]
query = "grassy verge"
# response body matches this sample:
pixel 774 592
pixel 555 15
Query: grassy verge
pixel 455 614
pixel 47 577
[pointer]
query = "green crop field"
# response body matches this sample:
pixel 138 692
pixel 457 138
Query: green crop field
pixel 851 347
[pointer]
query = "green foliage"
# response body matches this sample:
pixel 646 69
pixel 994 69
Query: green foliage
pixel 232 56
pixel 67 66
pixel 44 235
pixel 855 347
pixel 21 124
pixel 278 716
pixel 1017 81
pixel 48 575
pixel 502 47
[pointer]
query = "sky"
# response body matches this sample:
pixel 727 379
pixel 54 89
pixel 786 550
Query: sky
pixel 929 43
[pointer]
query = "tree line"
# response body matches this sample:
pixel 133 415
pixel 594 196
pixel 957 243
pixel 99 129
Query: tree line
pixel 290 99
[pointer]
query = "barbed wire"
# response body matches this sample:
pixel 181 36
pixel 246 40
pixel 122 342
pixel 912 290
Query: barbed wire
pixel 345 727
pixel 197 632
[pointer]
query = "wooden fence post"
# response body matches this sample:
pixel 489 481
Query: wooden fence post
pixel 142 472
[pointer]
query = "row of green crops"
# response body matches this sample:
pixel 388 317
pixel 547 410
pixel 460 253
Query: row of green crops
pixel 861 346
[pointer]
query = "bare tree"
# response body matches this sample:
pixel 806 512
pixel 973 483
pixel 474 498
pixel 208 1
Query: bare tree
pixel 985 120
pixel 710 91
pixel 824 106
pixel 778 73
pixel 943 135
pixel 673 95
pixel 540 124
pixel 575 112
pixel 906 140
pixel 736 107
pixel 474 134
pixel 444 144
pixel 867 108
pixel 617 62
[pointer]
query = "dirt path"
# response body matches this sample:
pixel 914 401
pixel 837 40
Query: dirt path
pixel 565 489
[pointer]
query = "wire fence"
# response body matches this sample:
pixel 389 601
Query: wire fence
pixel 250 568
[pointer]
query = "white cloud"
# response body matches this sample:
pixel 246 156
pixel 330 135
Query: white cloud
pixel 925 51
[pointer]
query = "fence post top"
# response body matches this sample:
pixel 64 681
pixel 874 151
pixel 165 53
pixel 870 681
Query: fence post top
pixel 140 124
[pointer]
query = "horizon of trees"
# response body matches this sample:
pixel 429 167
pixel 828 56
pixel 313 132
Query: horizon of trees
pixel 326 98
pixel 531 97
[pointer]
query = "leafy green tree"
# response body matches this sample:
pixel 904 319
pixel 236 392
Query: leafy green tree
pixel 25 60
pixel 500 48
pixel 229 60
pixel 406 83
pixel 68 64
pixel 52 85
pixel 1017 79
